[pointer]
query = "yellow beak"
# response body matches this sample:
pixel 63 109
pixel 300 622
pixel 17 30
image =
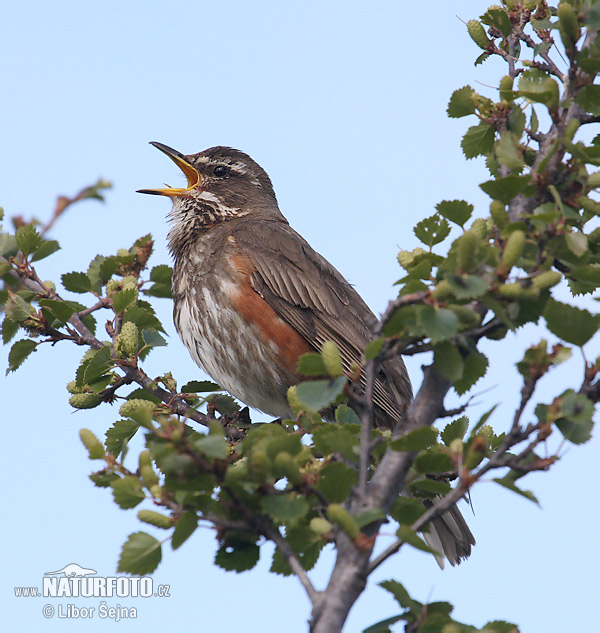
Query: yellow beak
pixel 191 173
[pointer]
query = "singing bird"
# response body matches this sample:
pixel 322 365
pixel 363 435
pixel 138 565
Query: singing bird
pixel 251 296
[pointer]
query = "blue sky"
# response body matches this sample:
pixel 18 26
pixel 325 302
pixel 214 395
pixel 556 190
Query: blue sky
pixel 343 103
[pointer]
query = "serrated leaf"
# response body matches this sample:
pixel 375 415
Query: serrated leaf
pixel 430 487
pixel 475 367
pixel 127 492
pixel 438 323
pixel 410 537
pixel 478 140
pixel 307 546
pixel 588 98
pixel 336 481
pixel 28 239
pixel 345 415
pixel 9 329
pixel 537 86
pixel 237 555
pixel 433 460
pixel 100 363
pixel 213 446
pixel 505 189
pixel 455 430
pixel 141 554
pixel 577 243
pixel 416 440
pixel 467 286
pixel 224 404
pixel 448 361
pixel 162 274
pixel 122 299
pixel 406 510
pixel 143 318
pixel 45 250
pixel 400 594
pixel 508 483
pixel 17 309
pixel 507 152
pixel 287 507
pixel 461 103
pixel 200 386
pixel 76 282
pixel 318 394
pixel 432 230
pixel 498 18
pixel 311 364
pixel 119 435
pixel 184 528
pixel 153 339
pixel 8 245
pixel 457 211
pixel 18 353
pixel 569 323
pixel 576 423
pixel 60 310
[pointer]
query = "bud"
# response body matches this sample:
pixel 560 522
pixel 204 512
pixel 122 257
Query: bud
pixel 476 453
pixel 145 459
pixel 480 227
pixel 466 316
pixel 85 400
pixel 466 250
pixel 155 518
pixel 506 86
pixel 487 433
pixel 92 443
pixel 288 467
pixel 456 446
pixel 405 259
pixel 331 359
pixel 295 405
pixel 50 285
pixel 320 526
pixel 587 204
pixel 112 286
pixel 594 180
pixel 126 342
pixel 513 249
pixel 73 388
pixel 441 291
pixel 129 283
pixel 478 34
pixel 516 291
pixel 344 520
pixel 148 476
pixel 568 24
pixel 546 280
pixel 123 252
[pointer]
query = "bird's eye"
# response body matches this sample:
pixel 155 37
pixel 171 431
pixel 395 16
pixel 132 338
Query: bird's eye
pixel 220 171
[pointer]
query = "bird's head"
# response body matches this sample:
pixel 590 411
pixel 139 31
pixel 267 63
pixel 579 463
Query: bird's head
pixel 222 184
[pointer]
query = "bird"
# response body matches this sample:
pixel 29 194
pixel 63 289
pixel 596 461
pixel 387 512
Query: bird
pixel 250 296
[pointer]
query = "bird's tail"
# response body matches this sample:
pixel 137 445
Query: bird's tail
pixel 450 535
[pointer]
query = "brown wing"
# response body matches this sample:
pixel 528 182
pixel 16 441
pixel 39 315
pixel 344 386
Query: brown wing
pixel 307 292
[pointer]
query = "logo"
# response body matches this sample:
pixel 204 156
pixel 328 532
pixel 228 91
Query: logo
pixel 73 569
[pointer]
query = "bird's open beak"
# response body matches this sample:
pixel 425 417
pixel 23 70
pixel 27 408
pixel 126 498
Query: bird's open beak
pixel 191 173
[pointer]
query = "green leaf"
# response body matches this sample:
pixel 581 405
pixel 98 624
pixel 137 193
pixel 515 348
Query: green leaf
pixel 373 348
pixel 369 516
pixel 127 492
pixel 569 323
pixel 475 367
pixel 537 86
pixel 432 230
pixel 19 352
pixel 457 211
pixel 345 415
pixel 9 329
pixel 318 394
pixel 455 430
pixel 588 98
pixel 184 528
pixel 223 403
pixel 576 422
pixel 200 386
pixel 336 481
pixel 237 555
pixel 17 309
pixel 505 189
pixel 213 446
pixel 46 249
pixel 434 460
pixel 119 435
pixel 416 440
pixel 311 364
pixel 508 483
pixel 508 153
pixel 406 510
pixel 383 626
pixel 8 245
pixel 400 594
pixel 498 18
pixel 461 103
pixel 448 360
pixel 438 323
pixel 287 507
pixel 28 239
pixel 467 286
pixel 429 487
pixel 305 543
pixel 141 554
pixel 143 318
pixel 100 363
pixel 76 282
pixel 153 338
pixel 60 310
pixel 337 439
pixel 122 299
pixel 478 141
pixel 410 537
pixel 162 274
